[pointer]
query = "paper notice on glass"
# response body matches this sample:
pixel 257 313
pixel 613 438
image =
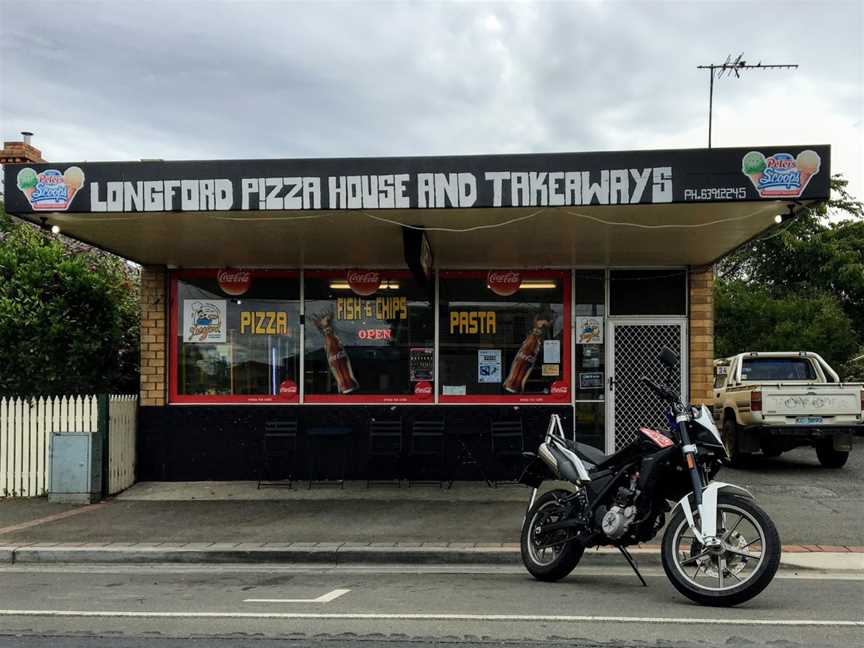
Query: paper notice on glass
pixel 489 366
pixel 550 369
pixel 453 390
pixel 552 351
pixel 589 330
pixel 204 320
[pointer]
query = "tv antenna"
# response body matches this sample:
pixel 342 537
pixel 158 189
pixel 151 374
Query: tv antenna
pixel 728 68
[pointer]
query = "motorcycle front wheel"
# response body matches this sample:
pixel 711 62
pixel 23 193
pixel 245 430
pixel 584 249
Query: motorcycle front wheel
pixel 544 559
pixel 738 569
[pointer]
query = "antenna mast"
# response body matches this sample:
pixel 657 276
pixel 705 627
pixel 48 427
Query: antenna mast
pixel 729 67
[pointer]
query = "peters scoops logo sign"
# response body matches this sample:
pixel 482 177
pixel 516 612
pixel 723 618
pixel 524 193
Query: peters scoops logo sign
pixel 780 175
pixel 234 282
pixel 503 282
pixel 364 283
pixel 50 190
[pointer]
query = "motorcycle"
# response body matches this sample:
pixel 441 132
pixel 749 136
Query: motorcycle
pixel 719 548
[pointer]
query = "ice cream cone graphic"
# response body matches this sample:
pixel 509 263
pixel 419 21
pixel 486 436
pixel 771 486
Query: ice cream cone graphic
pixel 753 165
pixel 27 181
pixel 808 163
pixel 74 178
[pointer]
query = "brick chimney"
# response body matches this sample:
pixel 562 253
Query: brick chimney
pixel 21 152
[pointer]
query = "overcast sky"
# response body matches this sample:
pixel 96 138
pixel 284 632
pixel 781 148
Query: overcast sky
pixel 124 80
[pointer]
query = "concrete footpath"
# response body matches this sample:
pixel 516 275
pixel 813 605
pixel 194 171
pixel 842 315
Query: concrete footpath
pixel 817 512
pixel 234 523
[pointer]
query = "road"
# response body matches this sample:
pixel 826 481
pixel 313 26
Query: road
pixel 161 606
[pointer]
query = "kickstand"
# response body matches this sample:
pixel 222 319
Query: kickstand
pixel 632 564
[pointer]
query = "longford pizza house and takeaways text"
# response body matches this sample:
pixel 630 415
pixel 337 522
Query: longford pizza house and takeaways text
pixel 396 191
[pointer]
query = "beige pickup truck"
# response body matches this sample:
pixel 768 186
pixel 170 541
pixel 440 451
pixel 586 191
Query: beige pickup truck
pixel 773 402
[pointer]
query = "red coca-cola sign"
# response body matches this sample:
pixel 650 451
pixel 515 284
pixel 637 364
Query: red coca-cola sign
pixel 364 282
pixel 503 282
pixel 234 282
pixel 288 388
pixel 423 388
pixel 559 387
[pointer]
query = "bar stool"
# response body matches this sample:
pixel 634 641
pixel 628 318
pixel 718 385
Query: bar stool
pixel 279 452
pixel 426 443
pixel 508 443
pixel 385 444
pixel 467 440
pixel 329 440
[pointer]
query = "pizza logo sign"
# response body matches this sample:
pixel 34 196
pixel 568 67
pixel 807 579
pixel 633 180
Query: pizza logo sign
pixel 780 175
pixel 204 321
pixel 50 190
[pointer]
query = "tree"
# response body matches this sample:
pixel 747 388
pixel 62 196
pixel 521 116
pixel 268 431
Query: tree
pixel 810 272
pixel 69 315
pixel 754 319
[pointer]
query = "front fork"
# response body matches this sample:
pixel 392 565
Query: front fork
pixel 706 502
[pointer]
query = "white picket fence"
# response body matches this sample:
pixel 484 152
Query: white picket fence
pixel 122 425
pixel 25 439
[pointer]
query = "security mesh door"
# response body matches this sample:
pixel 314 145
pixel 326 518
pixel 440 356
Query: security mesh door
pixel 635 349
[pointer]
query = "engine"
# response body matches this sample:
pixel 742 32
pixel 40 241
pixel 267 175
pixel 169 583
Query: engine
pixel 618 518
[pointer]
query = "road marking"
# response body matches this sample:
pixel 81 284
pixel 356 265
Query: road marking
pixel 52 518
pixel 324 598
pixel 357 616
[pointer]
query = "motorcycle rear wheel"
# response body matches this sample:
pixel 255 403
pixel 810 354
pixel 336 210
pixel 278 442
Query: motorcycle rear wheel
pixel 547 563
pixel 737 571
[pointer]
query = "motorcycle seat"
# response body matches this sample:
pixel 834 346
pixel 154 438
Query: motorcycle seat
pixel 589 453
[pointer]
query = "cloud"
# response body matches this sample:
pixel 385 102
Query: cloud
pixel 244 80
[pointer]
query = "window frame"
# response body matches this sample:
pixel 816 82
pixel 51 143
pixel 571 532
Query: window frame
pixel 173 346
pixel 566 334
pixel 364 399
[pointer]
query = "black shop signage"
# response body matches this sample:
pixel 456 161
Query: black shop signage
pixel 547 180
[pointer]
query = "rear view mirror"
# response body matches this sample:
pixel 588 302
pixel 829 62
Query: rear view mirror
pixel 668 358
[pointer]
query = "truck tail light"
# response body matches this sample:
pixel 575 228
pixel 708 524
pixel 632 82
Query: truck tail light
pixel 756 401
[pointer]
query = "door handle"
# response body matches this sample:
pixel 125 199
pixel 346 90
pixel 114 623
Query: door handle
pixel 611 383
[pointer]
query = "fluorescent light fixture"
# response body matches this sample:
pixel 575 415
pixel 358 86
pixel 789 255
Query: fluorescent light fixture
pixel 343 285
pixel 537 284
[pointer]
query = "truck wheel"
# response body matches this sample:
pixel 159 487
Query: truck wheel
pixel 730 440
pixel 829 457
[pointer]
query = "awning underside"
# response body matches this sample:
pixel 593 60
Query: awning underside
pixel 623 235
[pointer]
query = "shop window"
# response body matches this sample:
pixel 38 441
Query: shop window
pixel 589 424
pixel 589 374
pixel 235 336
pixel 504 336
pixel 369 337
pixel 648 292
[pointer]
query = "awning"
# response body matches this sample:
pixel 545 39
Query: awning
pixel 639 208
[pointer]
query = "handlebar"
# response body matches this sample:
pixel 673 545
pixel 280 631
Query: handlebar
pixel 663 392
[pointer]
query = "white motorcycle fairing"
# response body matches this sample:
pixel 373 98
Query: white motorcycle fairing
pixel 708 509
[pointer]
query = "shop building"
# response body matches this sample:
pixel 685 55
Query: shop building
pixel 470 290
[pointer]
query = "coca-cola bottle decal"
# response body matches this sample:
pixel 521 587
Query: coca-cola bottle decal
pixel 337 358
pixel 527 355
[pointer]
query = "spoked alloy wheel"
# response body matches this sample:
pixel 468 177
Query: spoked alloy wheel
pixel 545 559
pixel 735 570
